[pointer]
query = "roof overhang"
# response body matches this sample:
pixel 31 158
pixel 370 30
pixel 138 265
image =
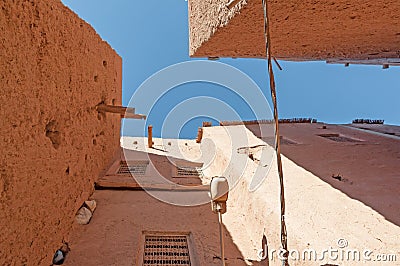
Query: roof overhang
pixel 301 30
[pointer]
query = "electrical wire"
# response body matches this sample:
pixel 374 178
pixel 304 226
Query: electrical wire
pixel 277 136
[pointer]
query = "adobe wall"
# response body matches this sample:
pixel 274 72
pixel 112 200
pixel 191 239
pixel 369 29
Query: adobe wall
pixel 54 70
pixel 318 214
pixel 125 217
pixel 300 30
pixel 215 30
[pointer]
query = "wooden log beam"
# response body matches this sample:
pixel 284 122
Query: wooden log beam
pixel 125 112
pixel 199 135
pixel 104 108
pixel 127 182
pixel 150 136
pixel 133 116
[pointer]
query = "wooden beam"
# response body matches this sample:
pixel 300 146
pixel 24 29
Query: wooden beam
pixel 104 108
pixel 150 136
pixel 199 135
pixel 125 112
pixel 134 116
pixel 128 182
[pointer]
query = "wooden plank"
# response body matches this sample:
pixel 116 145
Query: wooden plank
pixel 199 135
pixel 134 116
pixel 125 112
pixel 115 109
pixel 127 182
pixel 150 136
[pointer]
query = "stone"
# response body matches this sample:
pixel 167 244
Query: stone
pixel 83 216
pixel 91 205
pixel 58 258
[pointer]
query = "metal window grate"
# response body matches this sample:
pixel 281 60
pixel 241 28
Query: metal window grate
pixel 338 138
pixel 133 167
pixel 187 171
pixel 166 250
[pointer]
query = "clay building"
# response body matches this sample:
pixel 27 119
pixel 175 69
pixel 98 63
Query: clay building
pixel 359 31
pixel 61 145
pixel 54 71
pixel 341 183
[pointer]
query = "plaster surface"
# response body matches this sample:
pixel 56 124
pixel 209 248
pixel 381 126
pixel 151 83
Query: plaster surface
pixel 115 234
pixel 362 209
pixel 300 30
pixel 368 163
pixel 54 70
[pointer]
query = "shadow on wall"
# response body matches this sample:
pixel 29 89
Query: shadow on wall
pixel 160 168
pixel 362 165
pixel 117 230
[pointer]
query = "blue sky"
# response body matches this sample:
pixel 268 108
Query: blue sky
pixel 150 35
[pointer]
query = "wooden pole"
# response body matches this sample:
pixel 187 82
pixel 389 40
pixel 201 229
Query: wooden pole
pixel 114 109
pixel 133 116
pixel 150 136
pixel 124 112
pixel 199 135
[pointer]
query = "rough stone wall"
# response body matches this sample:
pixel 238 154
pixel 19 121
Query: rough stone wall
pixel 54 70
pixel 300 30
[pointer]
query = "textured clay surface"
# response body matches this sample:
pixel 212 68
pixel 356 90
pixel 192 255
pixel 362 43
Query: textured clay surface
pixel 300 30
pixel 362 208
pixel 54 70
pixel 115 234
pixel 368 163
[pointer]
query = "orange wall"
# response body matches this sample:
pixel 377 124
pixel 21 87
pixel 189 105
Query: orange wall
pixel 300 30
pixel 54 70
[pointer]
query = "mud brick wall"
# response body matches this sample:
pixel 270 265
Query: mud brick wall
pixel 54 70
pixel 300 29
